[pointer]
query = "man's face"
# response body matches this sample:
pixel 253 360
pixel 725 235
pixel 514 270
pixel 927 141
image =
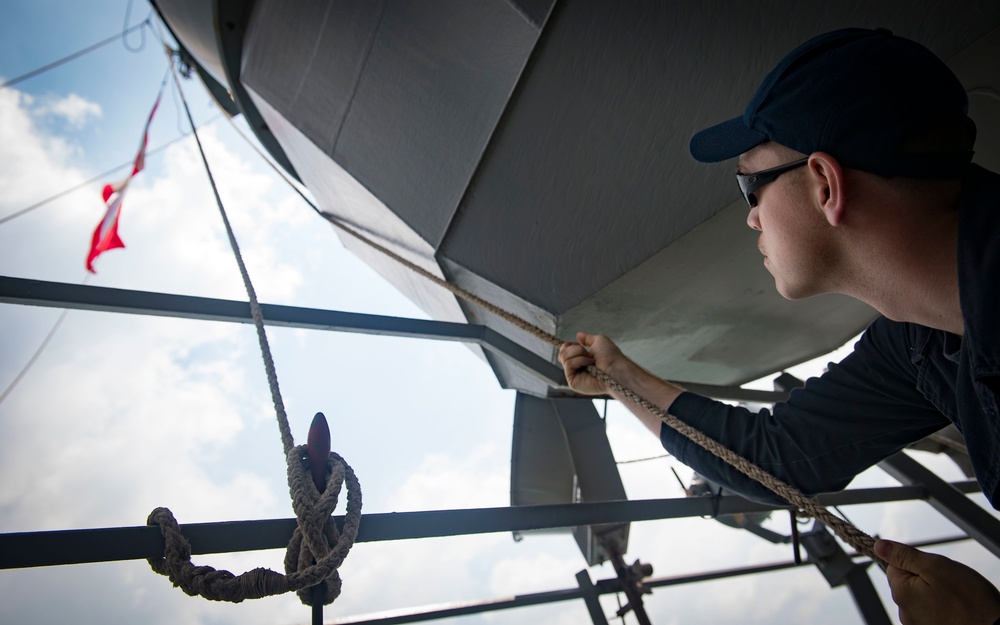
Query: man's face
pixel 792 233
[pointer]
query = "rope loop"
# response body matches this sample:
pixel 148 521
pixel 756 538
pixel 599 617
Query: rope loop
pixel 314 554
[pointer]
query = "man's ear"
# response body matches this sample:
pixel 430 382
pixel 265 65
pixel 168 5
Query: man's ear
pixel 827 186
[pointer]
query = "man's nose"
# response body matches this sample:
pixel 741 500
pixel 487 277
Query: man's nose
pixel 752 220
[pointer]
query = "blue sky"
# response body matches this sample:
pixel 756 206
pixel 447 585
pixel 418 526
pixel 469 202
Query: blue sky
pixel 124 413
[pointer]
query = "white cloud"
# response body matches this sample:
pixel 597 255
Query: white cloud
pixel 533 571
pixel 30 160
pixel 442 482
pixel 73 109
pixel 119 405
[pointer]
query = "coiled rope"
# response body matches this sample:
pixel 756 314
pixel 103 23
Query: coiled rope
pixel 315 552
pixel 850 534
pixel 317 548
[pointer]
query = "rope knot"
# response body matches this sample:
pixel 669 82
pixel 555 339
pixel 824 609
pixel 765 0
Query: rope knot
pixel 318 547
pixel 314 555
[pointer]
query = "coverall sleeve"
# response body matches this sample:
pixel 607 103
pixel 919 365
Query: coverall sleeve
pixel 859 412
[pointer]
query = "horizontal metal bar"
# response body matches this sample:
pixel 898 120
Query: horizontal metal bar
pixel 104 299
pixel 430 613
pixel 126 301
pixel 603 587
pixel 960 510
pixel 30 549
pixel 735 393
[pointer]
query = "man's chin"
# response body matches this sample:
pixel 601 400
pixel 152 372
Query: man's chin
pixel 791 292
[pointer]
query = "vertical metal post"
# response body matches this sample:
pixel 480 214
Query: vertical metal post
pixel 865 597
pixel 838 569
pixel 318 454
pixel 946 499
pixel 316 593
pixel 591 598
pixel 796 553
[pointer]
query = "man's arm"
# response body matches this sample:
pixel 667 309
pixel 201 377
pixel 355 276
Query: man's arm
pixel 594 349
pixel 858 413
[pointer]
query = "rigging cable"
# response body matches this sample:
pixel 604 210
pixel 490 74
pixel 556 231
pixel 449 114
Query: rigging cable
pixel 38 352
pixel 75 55
pixel 175 96
pixel 810 505
pixel 642 459
pixel 130 163
pixel 142 33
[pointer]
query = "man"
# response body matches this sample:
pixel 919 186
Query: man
pixel 854 159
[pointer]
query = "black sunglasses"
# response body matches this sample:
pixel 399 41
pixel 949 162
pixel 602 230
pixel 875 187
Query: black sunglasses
pixel 751 182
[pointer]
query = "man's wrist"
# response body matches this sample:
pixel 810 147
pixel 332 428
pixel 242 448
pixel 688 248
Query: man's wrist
pixel 643 383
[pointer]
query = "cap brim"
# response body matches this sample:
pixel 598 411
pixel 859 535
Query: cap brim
pixel 724 141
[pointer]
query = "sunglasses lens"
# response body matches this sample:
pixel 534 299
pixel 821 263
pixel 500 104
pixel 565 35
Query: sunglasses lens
pixel 752 200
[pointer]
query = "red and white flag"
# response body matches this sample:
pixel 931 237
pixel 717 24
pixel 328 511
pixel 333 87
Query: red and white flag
pixel 106 234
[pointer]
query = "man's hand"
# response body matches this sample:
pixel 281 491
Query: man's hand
pixel 933 589
pixel 592 349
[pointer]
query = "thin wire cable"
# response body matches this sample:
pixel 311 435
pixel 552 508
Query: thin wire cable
pixel 75 55
pixel 275 167
pixel 642 459
pixel 941 439
pixel 841 513
pixel 142 32
pixel 38 352
pixel 175 96
pixel 810 505
pixel 103 175
pixel 679 480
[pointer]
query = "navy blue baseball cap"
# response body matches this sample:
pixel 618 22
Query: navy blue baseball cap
pixel 860 95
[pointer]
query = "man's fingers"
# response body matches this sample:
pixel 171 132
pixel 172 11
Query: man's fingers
pixel 904 557
pixel 899 580
pixel 896 554
pixel 571 350
pixel 576 363
pixel 574 358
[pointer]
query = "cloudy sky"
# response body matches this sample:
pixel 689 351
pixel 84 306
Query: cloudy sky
pixel 124 413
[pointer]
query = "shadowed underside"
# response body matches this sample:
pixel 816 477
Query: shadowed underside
pixel 535 153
